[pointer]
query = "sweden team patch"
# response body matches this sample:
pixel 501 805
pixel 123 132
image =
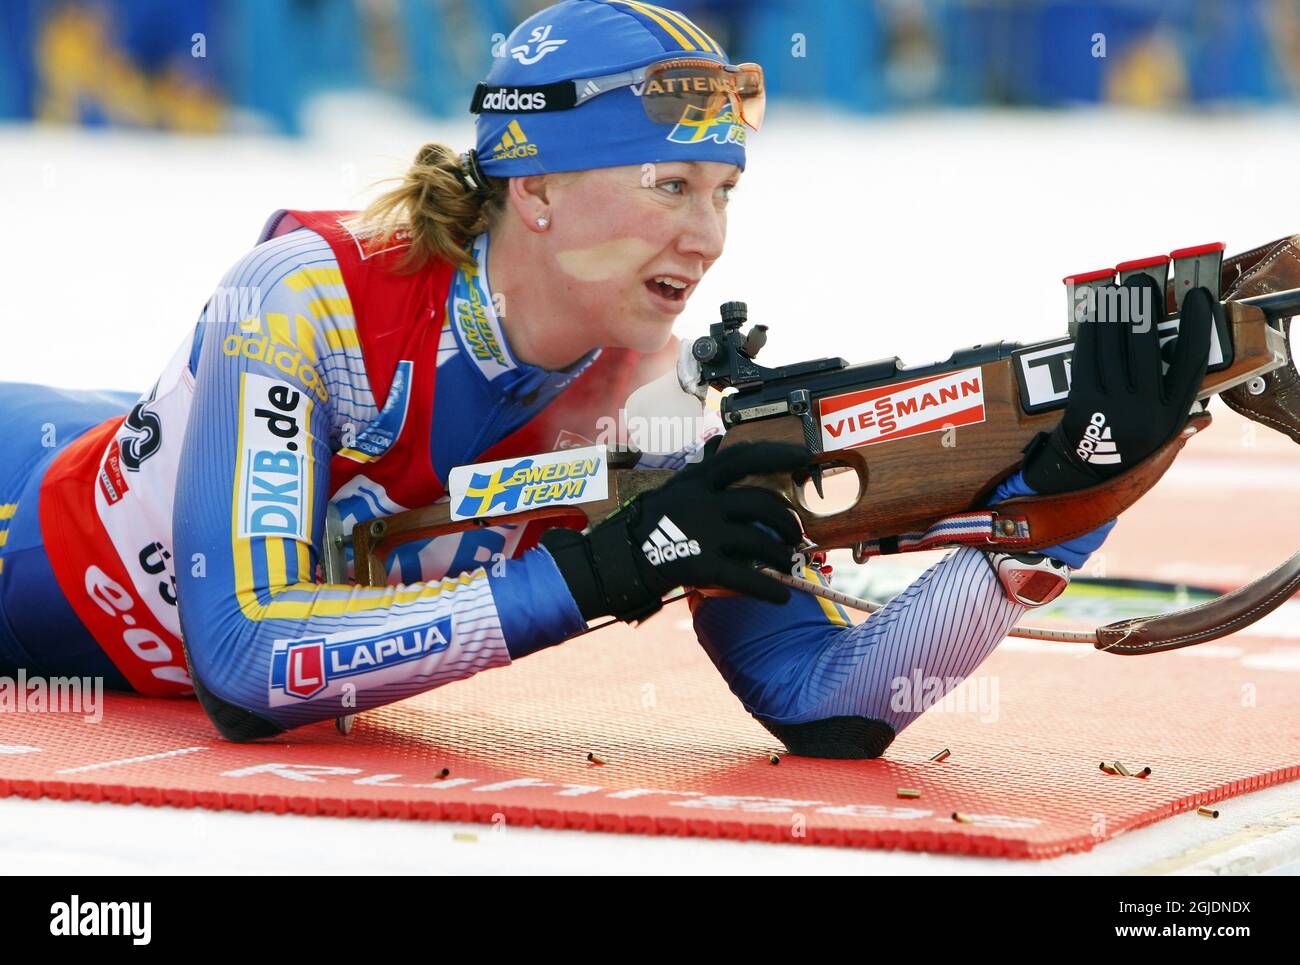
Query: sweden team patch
pixel 513 485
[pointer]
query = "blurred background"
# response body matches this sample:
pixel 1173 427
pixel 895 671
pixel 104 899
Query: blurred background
pixel 915 151
pixel 233 65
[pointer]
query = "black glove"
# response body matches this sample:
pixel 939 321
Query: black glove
pixel 1121 408
pixel 691 531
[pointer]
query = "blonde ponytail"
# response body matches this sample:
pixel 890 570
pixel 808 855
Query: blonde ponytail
pixel 435 206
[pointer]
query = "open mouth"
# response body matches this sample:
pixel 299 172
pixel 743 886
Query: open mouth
pixel 669 287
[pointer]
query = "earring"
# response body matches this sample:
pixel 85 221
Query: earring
pixel 542 223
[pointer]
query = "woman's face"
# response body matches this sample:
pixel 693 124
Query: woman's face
pixel 630 244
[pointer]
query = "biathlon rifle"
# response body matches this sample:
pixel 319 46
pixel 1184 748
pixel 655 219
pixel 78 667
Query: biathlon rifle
pixel 928 445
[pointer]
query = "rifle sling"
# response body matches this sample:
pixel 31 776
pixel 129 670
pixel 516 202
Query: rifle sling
pixel 1209 621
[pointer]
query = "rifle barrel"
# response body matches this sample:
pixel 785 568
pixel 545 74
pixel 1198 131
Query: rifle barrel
pixel 1276 305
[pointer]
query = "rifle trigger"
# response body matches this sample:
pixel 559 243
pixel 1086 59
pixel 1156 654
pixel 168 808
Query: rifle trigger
pixel 800 403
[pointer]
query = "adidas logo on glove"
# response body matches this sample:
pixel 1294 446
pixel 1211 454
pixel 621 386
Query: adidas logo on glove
pixel 667 543
pixel 1096 446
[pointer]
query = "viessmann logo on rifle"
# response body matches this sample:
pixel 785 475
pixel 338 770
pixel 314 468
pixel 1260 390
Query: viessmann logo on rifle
pixel 903 409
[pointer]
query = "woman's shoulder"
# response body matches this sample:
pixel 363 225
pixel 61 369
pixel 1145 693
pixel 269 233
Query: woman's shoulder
pixel 298 258
pixel 364 250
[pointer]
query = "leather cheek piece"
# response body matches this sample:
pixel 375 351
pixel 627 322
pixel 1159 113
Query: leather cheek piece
pixel 1271 267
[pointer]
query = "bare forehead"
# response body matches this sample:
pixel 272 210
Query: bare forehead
pixel 646 174
pixel 705 169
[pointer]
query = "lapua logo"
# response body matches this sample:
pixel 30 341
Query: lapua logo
pixel 305 669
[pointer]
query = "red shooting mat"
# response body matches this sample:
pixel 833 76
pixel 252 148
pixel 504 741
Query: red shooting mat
pixel 681 757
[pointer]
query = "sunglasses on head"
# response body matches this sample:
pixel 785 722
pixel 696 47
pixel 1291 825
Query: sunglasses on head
pixel 668 90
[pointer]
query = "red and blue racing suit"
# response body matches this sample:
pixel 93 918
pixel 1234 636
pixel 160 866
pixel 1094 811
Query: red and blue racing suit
pixel 321 381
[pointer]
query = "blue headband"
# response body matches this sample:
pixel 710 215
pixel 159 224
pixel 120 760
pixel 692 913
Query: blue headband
pixel 593 38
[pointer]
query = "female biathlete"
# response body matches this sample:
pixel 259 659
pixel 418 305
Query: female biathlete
pixel 496 304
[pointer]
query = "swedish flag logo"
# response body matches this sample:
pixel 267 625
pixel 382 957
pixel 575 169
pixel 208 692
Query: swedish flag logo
pixel 696 125
pixel 486 491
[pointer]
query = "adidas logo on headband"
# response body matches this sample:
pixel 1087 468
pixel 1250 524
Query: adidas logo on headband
pixel 510 100
pixel 514 143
